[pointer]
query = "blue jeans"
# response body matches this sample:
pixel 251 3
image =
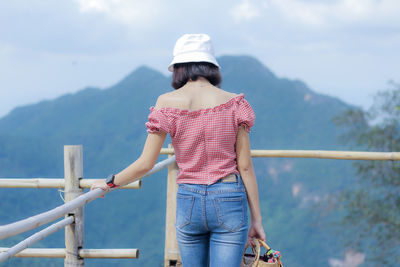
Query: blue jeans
pixel 211 223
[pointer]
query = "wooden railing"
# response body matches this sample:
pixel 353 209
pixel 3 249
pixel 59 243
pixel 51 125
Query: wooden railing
pixel 317 154
pixel 75 200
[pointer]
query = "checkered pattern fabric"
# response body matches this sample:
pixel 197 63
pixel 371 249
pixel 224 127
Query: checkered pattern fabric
pixel 204 140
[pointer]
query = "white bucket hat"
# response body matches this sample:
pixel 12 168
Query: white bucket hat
pixel 193 48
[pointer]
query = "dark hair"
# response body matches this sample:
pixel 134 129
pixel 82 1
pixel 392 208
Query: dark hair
pixel 183 72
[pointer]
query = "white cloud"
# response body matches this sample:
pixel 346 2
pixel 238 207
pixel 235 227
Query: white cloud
pixel 322 13
pixel 245 11
pixel 135 13
pixel 351 259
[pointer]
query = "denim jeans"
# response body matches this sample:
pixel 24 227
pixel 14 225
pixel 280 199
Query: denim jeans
pixel 211 223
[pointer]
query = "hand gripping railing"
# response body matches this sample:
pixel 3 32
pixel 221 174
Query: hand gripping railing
pixel 51 215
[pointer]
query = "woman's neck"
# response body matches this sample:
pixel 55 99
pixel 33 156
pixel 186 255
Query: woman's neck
pixel 200 82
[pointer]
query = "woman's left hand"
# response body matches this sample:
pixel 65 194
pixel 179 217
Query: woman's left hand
pixel 256 231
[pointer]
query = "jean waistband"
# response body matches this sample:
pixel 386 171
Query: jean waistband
pixel 231 178
pixel 226 184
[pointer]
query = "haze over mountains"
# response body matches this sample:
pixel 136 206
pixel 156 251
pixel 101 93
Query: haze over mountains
pixel 109 123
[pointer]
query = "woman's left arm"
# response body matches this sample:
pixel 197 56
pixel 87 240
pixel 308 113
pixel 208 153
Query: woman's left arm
pixel 142 165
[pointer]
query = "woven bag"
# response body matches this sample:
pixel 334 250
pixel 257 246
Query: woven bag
pixel 255 259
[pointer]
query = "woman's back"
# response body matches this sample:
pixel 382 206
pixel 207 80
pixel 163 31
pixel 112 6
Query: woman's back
pixel 203 122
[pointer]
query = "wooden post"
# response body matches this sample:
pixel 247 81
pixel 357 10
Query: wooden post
pixel 171 252
pixel 74 233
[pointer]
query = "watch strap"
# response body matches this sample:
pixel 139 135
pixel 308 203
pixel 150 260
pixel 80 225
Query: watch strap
pixel 110 181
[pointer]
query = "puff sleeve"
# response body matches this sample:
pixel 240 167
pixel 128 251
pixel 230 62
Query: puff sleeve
pixel 245 115
pixel 158 121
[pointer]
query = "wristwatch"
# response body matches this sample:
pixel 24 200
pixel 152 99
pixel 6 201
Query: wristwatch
pixel 110 181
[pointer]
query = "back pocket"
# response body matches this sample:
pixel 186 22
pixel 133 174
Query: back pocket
pixel 230 212
pixel 184 206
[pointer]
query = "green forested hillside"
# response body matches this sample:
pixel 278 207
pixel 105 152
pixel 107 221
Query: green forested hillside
pixel 109 123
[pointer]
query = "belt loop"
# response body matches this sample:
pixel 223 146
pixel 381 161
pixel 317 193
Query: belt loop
pixel 237 179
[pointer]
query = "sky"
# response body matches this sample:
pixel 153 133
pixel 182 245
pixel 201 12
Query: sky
pixel 343 48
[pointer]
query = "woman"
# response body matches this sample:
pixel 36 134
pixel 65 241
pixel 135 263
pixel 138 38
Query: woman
pixel 209 128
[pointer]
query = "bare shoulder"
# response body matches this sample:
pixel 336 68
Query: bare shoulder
pixel 167 100
pixel 228 94
pixel 232 95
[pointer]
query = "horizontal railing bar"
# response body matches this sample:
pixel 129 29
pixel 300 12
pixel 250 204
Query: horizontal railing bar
pixel 109 253
pixel 51 215
pixel 48 216
pixel 53 183
pixel 320 154
pixel 35 238
pixel 38 252
pixel 325 154
pixel 87 183
pixel 83 253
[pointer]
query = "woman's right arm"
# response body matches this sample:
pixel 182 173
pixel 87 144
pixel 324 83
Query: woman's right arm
pixel 246 170
pixel 144 163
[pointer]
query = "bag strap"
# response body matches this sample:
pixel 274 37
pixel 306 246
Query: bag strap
pixel 256 252
pixel 264 244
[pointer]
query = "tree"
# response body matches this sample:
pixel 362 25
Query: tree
pixel 372 207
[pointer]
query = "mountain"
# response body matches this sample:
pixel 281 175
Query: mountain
pixel 109 123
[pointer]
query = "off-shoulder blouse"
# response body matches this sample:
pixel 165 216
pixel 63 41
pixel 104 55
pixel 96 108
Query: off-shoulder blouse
pixel 204 140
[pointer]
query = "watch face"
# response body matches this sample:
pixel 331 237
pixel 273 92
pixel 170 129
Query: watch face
pixel 110 179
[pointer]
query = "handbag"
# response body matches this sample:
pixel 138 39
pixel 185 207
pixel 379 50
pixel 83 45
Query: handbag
pixel 270 259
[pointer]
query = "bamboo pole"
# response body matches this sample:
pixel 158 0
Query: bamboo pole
pixel 38 252
pixel 35 238
pixel 109 253
pixel 324 154
pixel 54 183
pixel 53 214
pixel 31 183
pixel 83 253
pixel 171 250
pixel 48 216
pixel 320 154
pixel 74 233
pixel 87 183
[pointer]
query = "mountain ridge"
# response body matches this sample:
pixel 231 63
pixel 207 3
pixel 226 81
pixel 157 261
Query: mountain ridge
pixel 144 69
pixel 243 64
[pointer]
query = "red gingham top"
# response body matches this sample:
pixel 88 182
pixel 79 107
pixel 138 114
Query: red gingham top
pixel 204 140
